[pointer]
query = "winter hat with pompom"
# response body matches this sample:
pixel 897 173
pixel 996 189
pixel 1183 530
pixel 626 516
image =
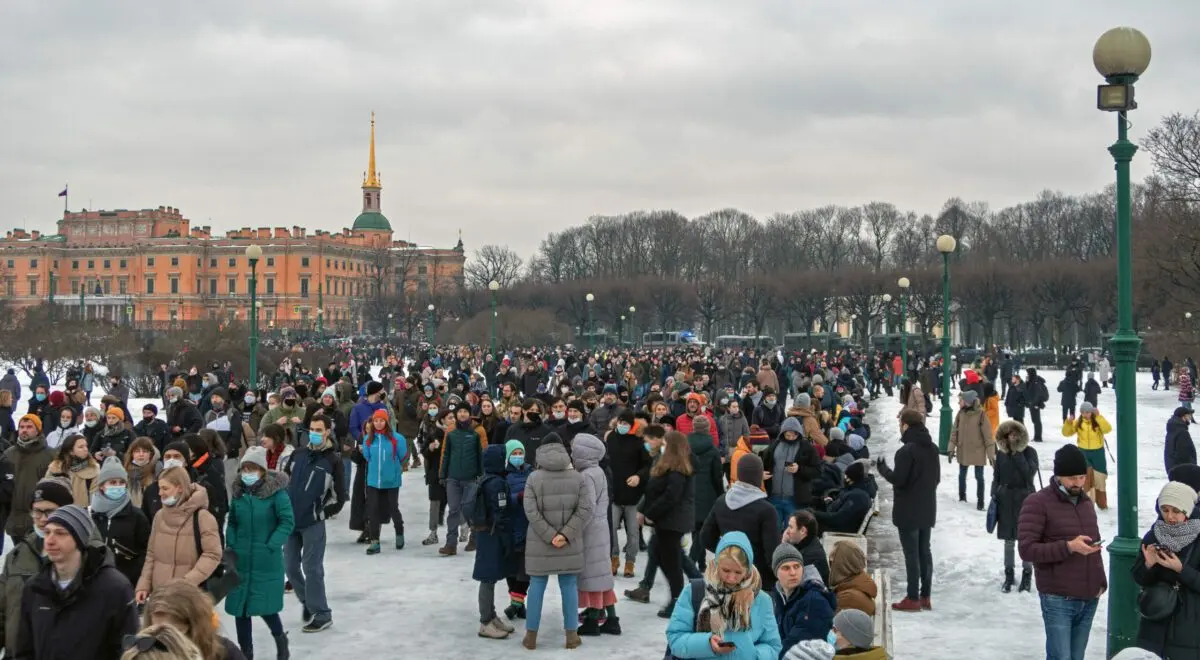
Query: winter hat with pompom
pixel 810 649
pixel 1177 495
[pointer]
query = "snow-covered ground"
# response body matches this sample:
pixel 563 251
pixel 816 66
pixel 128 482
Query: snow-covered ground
pixel 413 600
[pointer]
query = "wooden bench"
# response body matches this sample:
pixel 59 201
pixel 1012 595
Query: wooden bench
pixel 829 539
pixel 883 612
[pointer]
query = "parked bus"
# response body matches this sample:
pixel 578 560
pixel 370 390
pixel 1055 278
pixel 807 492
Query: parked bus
pixel 672 338
pixel 761 343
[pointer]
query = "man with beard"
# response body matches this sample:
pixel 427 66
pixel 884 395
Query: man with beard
pixel 607 411
pixel 530 431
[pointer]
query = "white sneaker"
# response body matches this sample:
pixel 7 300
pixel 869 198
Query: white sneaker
pixel 501 624
pixel 491 631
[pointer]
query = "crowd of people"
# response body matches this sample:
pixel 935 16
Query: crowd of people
pixel 537 462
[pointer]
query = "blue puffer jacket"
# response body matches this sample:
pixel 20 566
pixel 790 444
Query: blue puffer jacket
pixel 384 454
pixel 807 613
pixel 760 642
pixel 516 500
pixel 494 558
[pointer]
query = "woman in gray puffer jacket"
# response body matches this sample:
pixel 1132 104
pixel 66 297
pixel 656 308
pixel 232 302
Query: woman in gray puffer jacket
pixel 596 595
pixel 559 504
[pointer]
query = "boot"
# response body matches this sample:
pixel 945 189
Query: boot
pixel 490 630
pixel 616 563
pixel 907 605
pixel 363 539
pixel 573 641
pixel 665 612
pixel 591 624
pixel 514 611
pixel 1009 580
pixel 612 626
pixel 979 505
pixel 962 497
pixel 530 641
pixel 281 647
pixel 640 594
pixel 448 550
pixel 471 544
pixel 373 548
pixel 1026 578
pixel 926 604
pixel 400 542
pixel 628 569
pixel 432 539
pixel 1102 500
pixel 499 623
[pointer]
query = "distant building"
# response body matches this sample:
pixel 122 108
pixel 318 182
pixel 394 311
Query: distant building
pixel 152 268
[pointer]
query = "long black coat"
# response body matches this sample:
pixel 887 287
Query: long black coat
pixel 1179 448
pixel 670 502
pixel 1070 391
pixel 706 461
pixel 1015 401
pixel 1177 638
pixel 1012 477
pixel 914 480
pixel 627 457
pixel 809 462
pixel 126 533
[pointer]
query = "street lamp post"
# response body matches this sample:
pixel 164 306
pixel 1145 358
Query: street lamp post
pixel 431 332
pixel 321 311
pixel 493 287
pixel 637 341
pixel 591 330
pixel 51 295
pixel 853 321
pixel 946 245
pixel 887 313
pixel 1121 55
pixel 621 335
pixel 253 254
pixel 387 328
pixel 903 283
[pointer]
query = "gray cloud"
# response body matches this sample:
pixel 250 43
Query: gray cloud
pixel 512 118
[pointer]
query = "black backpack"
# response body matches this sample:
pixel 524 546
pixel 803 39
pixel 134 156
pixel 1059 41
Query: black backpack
pixel 697 599
pixel 477 512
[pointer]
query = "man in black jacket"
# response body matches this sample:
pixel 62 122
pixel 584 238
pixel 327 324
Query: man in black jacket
pixel 791 463
pixel 914 509
pixel 182 415
pixel 92 613
pixel 1179 449
pixel 152 427
pixel 744 508
pixel 1036 396
pixel 1014 399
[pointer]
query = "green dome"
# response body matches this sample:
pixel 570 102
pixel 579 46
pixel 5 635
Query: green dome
pixel 372 221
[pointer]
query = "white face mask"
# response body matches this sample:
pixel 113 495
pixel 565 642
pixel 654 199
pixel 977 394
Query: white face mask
pixel 172 463
pixel 249 400
pixel 91 423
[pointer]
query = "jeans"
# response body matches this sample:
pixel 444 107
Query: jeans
pixel 382 506
pixel 304 557
pixel 918 561
pixel 784 508
pixel 1010 547
pixel 962 482
pixel 1068 623
pixel 633 537
pixel 689 567
pixel 437 514
pixel 568 589
pixel 487 601
pixel 1035 418
pixel 245 630
pixel 455 490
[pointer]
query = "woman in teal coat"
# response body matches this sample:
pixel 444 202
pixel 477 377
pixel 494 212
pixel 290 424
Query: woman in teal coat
pixel 260 520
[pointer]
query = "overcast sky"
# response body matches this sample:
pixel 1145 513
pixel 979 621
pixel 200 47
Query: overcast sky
pixel 512 118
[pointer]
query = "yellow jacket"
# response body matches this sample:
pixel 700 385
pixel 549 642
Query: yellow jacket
pixel 1090 436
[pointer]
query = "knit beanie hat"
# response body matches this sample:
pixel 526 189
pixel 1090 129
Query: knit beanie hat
pixel 856 472
pixel 151 407
pixel 856 627
pixel 577 405
pixel 183 448
pixel 1086 407
pixel 750 470
pixel 810 649
pixel 969 397
pixel 111 469
pixel 53 489
pixel 510 447
pixel 758 438
pixel 1180 496
pixel 287 393
pixel 257 456
pixel 58 399
pixel 382 413
pixel 856 442
pixel 76 520
pixel 374 387
pixel 803 400
pixel 32 419
pixel 1069 461
pixel 785 552
pixel 701 425
pixel 836 433
pixel 115 412
pixel 331 393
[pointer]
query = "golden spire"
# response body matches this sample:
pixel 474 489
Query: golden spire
pixel 372 178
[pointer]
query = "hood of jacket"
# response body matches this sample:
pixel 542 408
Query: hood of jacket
pixel 271 484
pixel 196 500
pixel 553 456
pixel 1176 425
pixel 919 435
pixel 800 411
pixel 586 451
pixel 793 424
pixel 493 460
pixel 740 540
pixel 741 493
pixel 701 444
pixel 1012 437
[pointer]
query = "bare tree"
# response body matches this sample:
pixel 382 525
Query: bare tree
pixel 493 263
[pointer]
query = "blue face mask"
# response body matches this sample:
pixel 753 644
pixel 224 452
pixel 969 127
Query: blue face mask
pixel 517 461
pixel 115 493
pixel 623 429
pixel 315 439
pixel 40 396
pixel 250 478
pixel 647 446
pixel 832 639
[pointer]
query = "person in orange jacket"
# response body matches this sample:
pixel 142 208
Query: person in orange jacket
pixel 755 443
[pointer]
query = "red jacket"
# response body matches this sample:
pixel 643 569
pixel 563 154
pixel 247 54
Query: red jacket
pixel 683 424
pixel 1048 520
pixel 898 366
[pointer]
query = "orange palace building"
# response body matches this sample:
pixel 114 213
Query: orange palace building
pixel 152 268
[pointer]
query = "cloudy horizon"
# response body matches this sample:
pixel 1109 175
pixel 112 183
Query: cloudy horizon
pixel 513 118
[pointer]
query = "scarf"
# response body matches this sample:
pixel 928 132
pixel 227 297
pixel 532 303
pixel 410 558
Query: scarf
pixel 106 506
pixel 1176 537
pixel 78 464
pixel 727 608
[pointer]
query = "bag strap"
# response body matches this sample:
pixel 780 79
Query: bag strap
pixel 697 599
pixel 196 533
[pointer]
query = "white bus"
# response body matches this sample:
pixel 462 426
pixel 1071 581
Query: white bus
pixel 672 338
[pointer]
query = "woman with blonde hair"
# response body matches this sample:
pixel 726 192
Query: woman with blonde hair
pixel 669 506
pixel 172 551
pixel 188 609
pixel 159 643
pixel 75 464
pixel 141 463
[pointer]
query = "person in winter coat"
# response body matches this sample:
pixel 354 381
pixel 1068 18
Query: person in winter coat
pixel 495 549
pixel 803 532
pixel 68 425
pixel 1179 448
pixel 630 465
pixel 208 466
pixel 912 397
pixel 845 513
pixel 803 605
pixel 1187 393
pixel 855 636
pixel 279 450
pixel 972 442
pixel 77 467
pixel 171 551
pixel 1091 391
pixel 559 504
pixel 769 414
pixel 1036 396
pixel 914 509
pixel 93 612
pixel 26 559
pixel 122 525
pixel 1015 400
pixel 114 438
pixel 516 473
pixel 732 427
pixel 22 466
pixel 670 507
pixel 1089 431
pixel 461 464
pixel 142 467
pixel 754 443
pixel 1070 393
pixel 1055 532
pixel 1012 482
pixel 189 610
pixel 709 480
pixel 385 452
pixel 791 464
pixel 431 432
pixel 596 596
pixel 803 412
pixel 744 508
pixel 260 520
pixel 1169 561
pixel 10 383
pixel 848 578
pixel 532 429
pixel 152 427
pixel 733 609
pixel 182 415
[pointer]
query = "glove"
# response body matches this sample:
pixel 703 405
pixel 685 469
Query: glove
pixel 950 457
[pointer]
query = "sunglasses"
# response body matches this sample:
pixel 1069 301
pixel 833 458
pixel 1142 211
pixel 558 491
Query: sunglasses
pixel 143 644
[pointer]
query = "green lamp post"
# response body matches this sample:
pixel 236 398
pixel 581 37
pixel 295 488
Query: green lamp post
pixel 903 284
pixel 887 326
pixel 253 254
pixel 432 335
pixel 591 330
pixel 634 338
pixel 1121 55
pixel 493 287
pixel 946 245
